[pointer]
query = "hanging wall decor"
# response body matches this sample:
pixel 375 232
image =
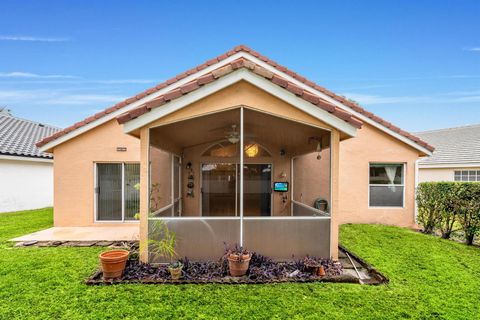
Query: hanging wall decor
pixel 190 180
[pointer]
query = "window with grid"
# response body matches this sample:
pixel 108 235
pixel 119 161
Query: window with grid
pixel 467 175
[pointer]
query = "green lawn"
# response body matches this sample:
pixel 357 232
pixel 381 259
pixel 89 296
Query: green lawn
pixel 430 278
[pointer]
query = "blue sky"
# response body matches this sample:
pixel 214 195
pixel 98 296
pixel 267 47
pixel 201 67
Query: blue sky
pixel 414 63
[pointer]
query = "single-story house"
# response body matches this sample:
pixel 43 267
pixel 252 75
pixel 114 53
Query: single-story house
pixel 26 173
pixel 239 149
pixel 456 156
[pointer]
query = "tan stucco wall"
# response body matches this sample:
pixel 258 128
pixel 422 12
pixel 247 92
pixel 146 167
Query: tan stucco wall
pixel 74 161
pixel 311 179
pixel 440 174
pixel 241 93
pixel 74 171
pixel 372 145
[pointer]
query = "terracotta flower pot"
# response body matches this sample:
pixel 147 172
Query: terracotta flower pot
pixel 238 267
pixel 113 263
pixel 321 271
pixel 176 273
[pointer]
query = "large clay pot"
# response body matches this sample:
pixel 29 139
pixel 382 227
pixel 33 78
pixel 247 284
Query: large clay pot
pixel 238 267
pixel 113 263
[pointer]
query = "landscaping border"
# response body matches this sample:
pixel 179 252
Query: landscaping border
pixel 377 278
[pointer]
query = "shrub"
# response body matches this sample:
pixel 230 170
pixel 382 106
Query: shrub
pixel 443 205
pixel 430 202
pixel 468 208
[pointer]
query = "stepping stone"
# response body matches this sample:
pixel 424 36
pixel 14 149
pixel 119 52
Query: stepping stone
pixel 30 243
pixel 104 243
pixel 85 243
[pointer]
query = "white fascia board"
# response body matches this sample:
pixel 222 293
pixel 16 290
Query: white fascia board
pixel 137 103
pixel 465 165
pixel 228 80
pixel 337 103
pixel 30 159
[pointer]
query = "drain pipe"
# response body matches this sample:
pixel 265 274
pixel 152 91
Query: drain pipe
pixel 354 267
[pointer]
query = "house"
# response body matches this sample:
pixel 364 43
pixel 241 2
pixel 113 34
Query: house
pixel 456 156
pixel 240 150
pixel 26 173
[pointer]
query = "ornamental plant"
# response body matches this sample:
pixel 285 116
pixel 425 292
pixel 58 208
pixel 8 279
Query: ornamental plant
pixel 444 206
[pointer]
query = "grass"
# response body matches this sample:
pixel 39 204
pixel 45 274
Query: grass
pixel 430 278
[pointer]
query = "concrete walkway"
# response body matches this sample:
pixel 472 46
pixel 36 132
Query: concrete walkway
pixel 116 233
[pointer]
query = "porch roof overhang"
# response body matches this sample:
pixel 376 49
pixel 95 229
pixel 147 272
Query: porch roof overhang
pixel 229 75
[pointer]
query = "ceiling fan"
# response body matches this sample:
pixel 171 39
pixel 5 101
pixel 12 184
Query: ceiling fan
pixel 233 136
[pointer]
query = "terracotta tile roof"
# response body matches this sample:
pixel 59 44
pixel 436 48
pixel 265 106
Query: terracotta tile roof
pixel 229 68
pixel 274 64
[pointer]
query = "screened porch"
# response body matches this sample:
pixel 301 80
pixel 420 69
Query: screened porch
pixel 241 176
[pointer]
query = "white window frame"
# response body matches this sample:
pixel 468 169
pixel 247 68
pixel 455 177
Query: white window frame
pixel 460 171
pixel 404 177
pixel 95 194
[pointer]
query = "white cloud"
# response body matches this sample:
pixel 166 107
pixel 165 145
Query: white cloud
pixel 449 97
pixel 31 39
pixel 56 97
pixel 29 75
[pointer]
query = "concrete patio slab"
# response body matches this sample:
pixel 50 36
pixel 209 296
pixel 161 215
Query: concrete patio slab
pixel 117 233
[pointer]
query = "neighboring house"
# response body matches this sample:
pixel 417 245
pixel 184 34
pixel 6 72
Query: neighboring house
pixel 311 160
pixel 456 156
pixel 26 173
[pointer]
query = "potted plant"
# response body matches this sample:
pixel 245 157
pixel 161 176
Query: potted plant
pixel 311 265
pixel 113 263
pixel 238 261
pixel 165 247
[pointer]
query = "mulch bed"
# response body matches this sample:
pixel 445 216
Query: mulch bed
pixel 262 270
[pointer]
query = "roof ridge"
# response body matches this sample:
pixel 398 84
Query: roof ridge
pixel 345 101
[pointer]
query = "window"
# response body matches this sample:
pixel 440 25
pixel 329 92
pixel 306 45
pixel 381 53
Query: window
pixel 386 185
pixel 225 149
pixel 117 195
pixel 467 175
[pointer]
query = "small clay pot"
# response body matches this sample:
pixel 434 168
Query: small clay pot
pixel 321 271
pixel 113 263
pixel 176 273
pixel 238 267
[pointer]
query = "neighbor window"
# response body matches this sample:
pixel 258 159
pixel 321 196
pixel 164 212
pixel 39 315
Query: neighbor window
pixel 386 185
pixel 467 175
pixel 116 190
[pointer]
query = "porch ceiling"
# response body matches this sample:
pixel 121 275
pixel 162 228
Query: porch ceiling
pixel 273 132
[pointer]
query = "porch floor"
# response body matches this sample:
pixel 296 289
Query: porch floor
pixel 117 233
